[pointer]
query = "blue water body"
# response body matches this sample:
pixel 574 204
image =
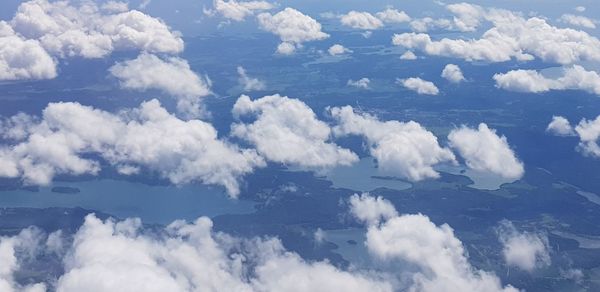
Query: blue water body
pixel 482 180
pixel 361 176
pixel 153 204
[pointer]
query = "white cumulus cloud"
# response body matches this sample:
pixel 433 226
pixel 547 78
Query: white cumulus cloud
pixel 239 10
pixel 484 150
pixel 338 49
pixel 419 85
pixel 287 131
pixel 575 77
pixel 361 20
pixel 293 28
pixel 406 150
pixel 524 250
pixel 249 83
pixel 362 83
pixel 578 20
pixel 560 126
pixel 61 141
pixel 453 73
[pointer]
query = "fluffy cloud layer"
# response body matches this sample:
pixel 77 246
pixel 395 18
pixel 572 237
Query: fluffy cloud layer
pixel 42 31
pixel 85 30
pixel 511 36
pixel 124 256
pixel 524 250
pixel 578 20
pixel 440 258
pixel 367 21
pixel 287 131
pixel 239 10
pixel 23 59
pixel 484 150
pixel 361 20
pixel 62 140
pixel 453 73
pixel 292 27
pixel 575 77
pixel 403 149
pixel 419 85
pixel 172 76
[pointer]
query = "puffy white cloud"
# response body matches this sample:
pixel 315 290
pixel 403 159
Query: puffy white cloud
pixel 12 250
pixel 440 258
pixel 428 23
pixel 117 256
pixel 85 30
pixel 148 136
pixel 287 131
pixel 172 75
pixel 404 149
pixel 292 27
pixel 370 209
pixel 391 15
pixel 578 20
pixel 524 250
pixel 361 83
pixel 419 85
pixel 580 8
pixel 361 20
pixel 484 150
pixel 23 59
pixel 589 132
pixel 574 77
pixel 338 49
pixel 511 36
pixel 239 10
pixel 467 17
pixel 453 73
pixel 115 6
pixel 249 83
pixel 408 55
pixel 560 126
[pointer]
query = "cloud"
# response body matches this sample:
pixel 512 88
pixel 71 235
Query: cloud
pixel 23 59
pixel 453 73
pixel 580 8
pixel 403 149
pixel 511 37
pixel 419 85
pixel 391 15
pixel 574 77
pixel 115 6
pixel 589 132
pixel 439 257
pixel 362 83
pixel 121 256
pixel 524 250
pixel 172 76
pixel 484 150
pixel 64 138
pixel 239 10
pixel 408 55
pixel 67 30
pixel 560 126
pixel 371 210
pixel 466 18
pixel 249 84
pixel 12 251
pixel 292 27
pixel 361 20
pixel 287 131
pixel 578 20
pixel 338 49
